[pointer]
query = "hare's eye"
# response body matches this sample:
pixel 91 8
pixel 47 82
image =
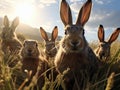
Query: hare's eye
pixel 102 45
pixel 36 45
pixel 83 32
pixel 65 32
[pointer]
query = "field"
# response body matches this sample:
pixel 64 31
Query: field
pixel 12 78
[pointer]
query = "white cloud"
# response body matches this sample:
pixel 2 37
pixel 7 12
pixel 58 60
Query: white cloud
pixel 44 3
pixel 41 5
pixel 48 26
pixel 76 0
pixel 109 19
pixel 101 14
pixel 76 6
pixel 8 7
pixel 48 1
pixel 99 1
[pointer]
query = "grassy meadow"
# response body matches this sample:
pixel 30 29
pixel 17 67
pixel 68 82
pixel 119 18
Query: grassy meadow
pixel 12 78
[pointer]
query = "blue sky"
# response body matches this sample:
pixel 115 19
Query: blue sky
pixel 45 13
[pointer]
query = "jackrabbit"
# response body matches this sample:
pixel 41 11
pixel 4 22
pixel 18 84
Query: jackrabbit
pixel 10 42
pixel 74 52
pixel 50 47
pixel 103 49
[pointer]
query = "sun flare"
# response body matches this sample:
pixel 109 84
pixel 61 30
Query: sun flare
pixel 25 12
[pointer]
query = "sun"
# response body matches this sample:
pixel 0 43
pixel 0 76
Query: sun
pixel 25 12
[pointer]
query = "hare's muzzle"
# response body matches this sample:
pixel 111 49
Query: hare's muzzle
pixel 75 44
pixel 29 51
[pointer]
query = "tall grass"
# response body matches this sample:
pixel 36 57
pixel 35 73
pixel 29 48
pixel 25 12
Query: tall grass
pixel 112 66
pixel 12 78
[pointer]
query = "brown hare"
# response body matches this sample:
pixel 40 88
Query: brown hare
pixel 30 56
pixel 10 42
pixel 50 47
pixel 74 52
pixel 103 49
pixel 31 59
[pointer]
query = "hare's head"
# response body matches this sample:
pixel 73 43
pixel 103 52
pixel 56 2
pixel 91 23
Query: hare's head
pixel 74 40
pixel 8 31
pixel 30 48
pixel 103 50
pixel 49 43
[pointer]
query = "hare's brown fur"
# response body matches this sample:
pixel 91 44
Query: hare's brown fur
pixel 103 49
pixel 74 52
pixel 50 47
pixel 31 59
pixel 10 42
pixel 30 56
pixel 76 62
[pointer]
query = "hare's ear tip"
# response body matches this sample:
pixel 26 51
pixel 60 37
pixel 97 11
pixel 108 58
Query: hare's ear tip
pixel 55 26
pixel 89 0
pixel 118 28
pixel 5 16
pixel 63 0
pixel 17 17
pixel 101 25
pixel 40 27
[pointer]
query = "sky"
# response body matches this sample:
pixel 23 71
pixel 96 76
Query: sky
pixel 45 13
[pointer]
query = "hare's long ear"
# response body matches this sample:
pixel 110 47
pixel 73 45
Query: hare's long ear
pixel 101 34
pixel 15 22
pixel 54 33
pixel 114 35
pixel 84 13
pixel 43 34
pixel 36 43
pixel 24 43
pixel 65 13
pixel 6 21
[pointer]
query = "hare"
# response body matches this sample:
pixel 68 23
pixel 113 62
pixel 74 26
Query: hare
pixel 10 42
pixel 30 56
pixel 50 48
pixel 74 54
pixel 103 49
pixel 32 59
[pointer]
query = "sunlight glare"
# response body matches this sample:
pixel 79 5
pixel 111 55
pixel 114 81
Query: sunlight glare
pixel 25 12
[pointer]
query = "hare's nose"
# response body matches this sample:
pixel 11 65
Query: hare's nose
pixel 75 43
pixel 29 50
pixel 103 54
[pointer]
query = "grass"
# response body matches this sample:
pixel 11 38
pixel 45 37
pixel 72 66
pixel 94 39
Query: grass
pixel 12 78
